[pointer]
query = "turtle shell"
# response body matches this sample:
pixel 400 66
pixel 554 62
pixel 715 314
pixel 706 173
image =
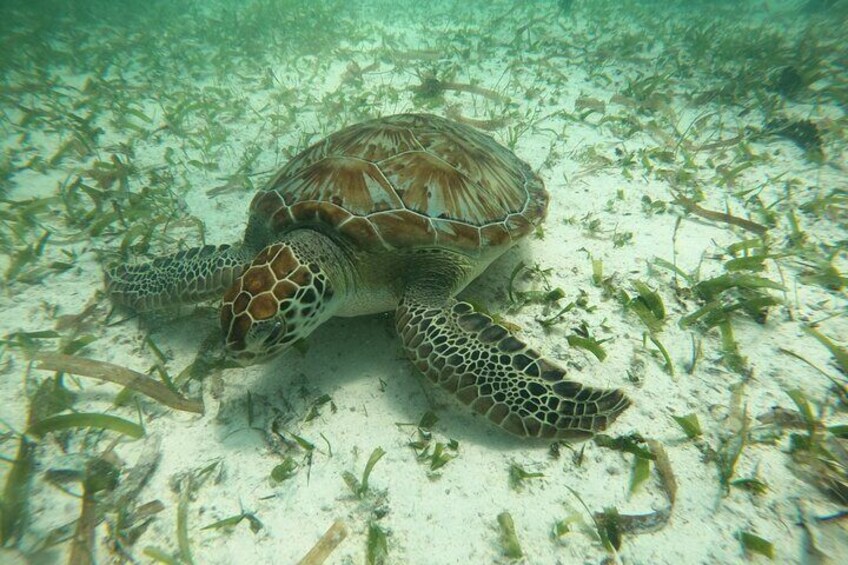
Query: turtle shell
pixel 407 181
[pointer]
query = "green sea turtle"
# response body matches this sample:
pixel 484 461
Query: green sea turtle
pixel 396 213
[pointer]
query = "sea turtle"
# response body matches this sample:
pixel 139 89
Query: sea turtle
pixel 395 213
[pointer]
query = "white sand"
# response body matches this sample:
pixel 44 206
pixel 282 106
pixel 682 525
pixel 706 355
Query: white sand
pixel 450 517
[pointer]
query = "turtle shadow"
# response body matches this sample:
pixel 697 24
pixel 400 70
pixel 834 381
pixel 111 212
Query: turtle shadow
pixel 360 364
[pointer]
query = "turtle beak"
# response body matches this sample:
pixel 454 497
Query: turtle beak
pixel 276 332
pixel 263 347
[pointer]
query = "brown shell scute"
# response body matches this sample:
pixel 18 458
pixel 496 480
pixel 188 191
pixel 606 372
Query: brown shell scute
pixel 375 141
pixel 356 184
pixel 406 181
pixel 433 187
pixel 404 230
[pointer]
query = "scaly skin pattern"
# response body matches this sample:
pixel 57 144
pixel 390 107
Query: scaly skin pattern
pixel 185 277
pixel 499 376
pixel 283 295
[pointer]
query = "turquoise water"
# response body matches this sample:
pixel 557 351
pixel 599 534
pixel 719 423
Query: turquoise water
pixel 693 256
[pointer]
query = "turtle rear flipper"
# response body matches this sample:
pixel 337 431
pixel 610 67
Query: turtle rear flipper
pixel 498 375
pixel 186 277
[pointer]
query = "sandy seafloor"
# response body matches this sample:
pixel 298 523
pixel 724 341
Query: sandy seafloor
pixel 619 106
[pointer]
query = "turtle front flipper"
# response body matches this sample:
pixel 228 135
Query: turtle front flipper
pixel 186 277
pixel 498 375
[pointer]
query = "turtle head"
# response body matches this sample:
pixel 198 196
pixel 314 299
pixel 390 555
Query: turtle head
pixel 279 299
